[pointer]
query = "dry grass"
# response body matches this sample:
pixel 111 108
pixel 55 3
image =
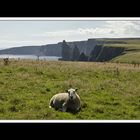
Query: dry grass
pixel 107 90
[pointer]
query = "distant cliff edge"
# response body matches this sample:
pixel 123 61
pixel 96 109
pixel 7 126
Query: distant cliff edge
pixel 100 49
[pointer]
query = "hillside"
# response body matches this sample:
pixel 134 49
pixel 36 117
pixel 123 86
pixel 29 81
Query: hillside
pixel 108 91
pixel 49 50
pixel 131 53
pixel 21 50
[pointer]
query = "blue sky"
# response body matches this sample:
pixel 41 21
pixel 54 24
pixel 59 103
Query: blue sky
pixel 24 33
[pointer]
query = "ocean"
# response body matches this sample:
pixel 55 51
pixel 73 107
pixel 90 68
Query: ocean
pixel 32 57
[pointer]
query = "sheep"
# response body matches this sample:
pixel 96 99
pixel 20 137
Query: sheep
pixel 66 102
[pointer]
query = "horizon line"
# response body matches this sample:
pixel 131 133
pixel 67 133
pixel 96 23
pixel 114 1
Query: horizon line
pixel 72 41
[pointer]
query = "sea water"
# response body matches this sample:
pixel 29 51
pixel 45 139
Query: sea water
pixel 33 57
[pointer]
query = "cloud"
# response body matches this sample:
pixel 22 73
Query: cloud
pixel 124 28
pixel 61 33
pixel 109 29
pixel 18 43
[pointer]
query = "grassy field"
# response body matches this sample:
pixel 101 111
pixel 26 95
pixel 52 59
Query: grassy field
pixel 108 91
pixel 131 53
pixel 133 57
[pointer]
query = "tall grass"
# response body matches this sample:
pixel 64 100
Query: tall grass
pixel 107 90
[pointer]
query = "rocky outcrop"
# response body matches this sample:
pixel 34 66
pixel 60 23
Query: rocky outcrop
pixel 90 45
pixel 75 54
pixel 66 51
pixel 83 57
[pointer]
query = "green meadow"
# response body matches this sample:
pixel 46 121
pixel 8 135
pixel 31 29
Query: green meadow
pixel 131 50
pixel 108 91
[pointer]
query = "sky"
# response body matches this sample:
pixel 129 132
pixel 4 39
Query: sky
pixel 27 33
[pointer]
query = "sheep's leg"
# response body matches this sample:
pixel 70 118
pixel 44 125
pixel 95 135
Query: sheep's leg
pixel 64 107
pixel 51 103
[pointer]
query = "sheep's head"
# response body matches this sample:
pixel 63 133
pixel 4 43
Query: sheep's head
pixel 72 93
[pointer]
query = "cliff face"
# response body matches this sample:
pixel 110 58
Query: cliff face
pixel 90 45
pixel 95 52
pixel 107 53
pixel 94 49
pixel 52 50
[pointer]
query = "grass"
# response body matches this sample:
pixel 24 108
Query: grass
pixel 133 57
pixel 128 47
pixel 131 50
pixel 108 91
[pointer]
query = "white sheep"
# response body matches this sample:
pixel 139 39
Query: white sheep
pixel 69 101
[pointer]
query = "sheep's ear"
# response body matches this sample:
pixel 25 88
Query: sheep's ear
pixel 76 89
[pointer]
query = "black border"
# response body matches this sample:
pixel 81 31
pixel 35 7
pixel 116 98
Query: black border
pixel 70 13
pixel 70 130
pixel 93 129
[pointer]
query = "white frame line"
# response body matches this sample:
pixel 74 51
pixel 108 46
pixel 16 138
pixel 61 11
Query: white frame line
pixel 69 19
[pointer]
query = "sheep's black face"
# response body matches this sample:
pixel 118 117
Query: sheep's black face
pixel 72 93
